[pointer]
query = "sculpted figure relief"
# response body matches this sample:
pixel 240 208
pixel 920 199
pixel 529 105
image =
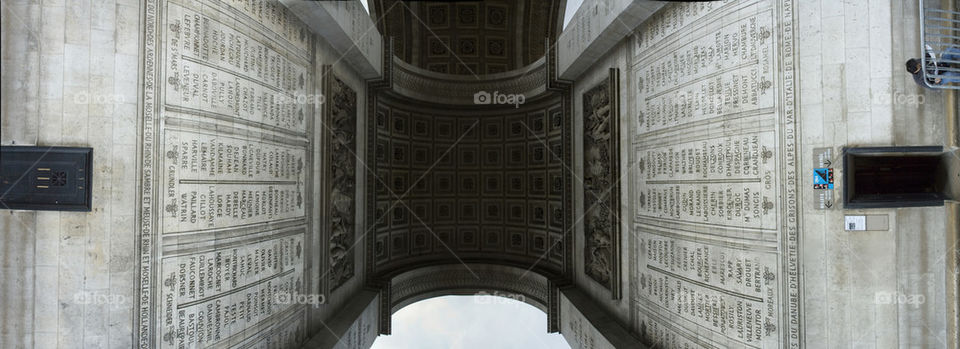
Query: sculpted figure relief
pixel 598 183
pixel 343 119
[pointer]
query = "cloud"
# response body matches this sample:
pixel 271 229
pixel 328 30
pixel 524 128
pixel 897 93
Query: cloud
pixel 470 322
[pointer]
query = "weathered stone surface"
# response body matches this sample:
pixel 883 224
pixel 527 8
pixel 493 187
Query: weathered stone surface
pixel 211 176
pixel 715 185
pixel 601 167
pixel 228 149
pixel 342 114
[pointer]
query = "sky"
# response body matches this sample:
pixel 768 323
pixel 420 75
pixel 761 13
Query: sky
pixel 572 6
pixel 470 322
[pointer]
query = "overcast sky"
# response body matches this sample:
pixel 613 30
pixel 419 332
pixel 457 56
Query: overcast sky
pixel 572 6
pixel 470 322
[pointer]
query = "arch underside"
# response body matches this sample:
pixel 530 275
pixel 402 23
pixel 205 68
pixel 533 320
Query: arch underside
pixel 456 182
pixel 475 279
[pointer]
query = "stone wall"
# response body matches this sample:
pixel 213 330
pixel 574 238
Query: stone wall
pixel 577 330
pixel 363 331
pixel 330 63
pixel 69 78
pixel 226 131
pixel 207 129
pixel 714 190
pixel 865 288
pixel 723 104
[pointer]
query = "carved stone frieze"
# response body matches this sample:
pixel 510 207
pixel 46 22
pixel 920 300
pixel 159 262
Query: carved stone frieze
pixel 600 185
pixel 342 116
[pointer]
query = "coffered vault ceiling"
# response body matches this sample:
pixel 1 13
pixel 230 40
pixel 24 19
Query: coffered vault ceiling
pixel 454 182
pixel 484 186
pixel 470 37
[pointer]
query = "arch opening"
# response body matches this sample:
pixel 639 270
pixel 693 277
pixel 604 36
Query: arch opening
pixel 473 279
pixel 495 320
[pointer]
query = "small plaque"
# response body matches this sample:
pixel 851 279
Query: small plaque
pixel 855 222
pixel 45 178
pixel 823 157
pixel 824 199
pixel 823 178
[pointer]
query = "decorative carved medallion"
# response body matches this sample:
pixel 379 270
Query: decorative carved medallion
pixel 600 185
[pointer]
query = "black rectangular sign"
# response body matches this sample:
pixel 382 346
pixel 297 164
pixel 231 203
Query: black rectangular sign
pixel 45 178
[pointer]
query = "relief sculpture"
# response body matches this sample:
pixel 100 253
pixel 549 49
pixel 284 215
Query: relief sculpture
pixel 343 121
pixel 600 186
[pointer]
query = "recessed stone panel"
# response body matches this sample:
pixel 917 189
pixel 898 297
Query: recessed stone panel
pixel 399 182
pixel 421 241
pixel 468 211
pixel 213 180
pixel 601 189
pixel 516 154
pixel 398 244
pixel 205 278
pixel 399 153
pixel 469 130
pixel 516 240
pixel 227 134
pixel 492 239
pixel 492 156
pixel 469 156
pixel 446 129
pixel 492 211
pixel 400 124
pixel 492 129
pixel 421 184
pixel 444 156
pixel 537 125
pixel 421 155
pixel 445 183
pixel 468 238
pixel 718 166
pixel 422 127
pixel 516 126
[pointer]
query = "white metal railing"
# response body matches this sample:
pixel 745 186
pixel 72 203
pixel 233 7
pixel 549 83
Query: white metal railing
pixel 940 40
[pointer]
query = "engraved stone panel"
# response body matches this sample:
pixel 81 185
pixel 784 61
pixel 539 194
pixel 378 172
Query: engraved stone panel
pixel 215 293
pixel 714 194
pixel 286 333
pixel 577 329
pixel 215 179
pixel 219 68
pixel 227 109
pixel 363 331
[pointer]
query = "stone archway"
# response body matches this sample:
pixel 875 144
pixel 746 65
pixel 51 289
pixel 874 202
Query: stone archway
pixel 570 310
pixel 476 279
